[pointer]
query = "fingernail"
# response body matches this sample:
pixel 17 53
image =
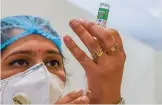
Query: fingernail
pixel 66 38
pixel 74 22
pixel 89 92
pixel 82 21
pixel 78 90
pixel 85 99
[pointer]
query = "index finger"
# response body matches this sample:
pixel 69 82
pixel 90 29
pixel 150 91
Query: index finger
pixel 85 36
pixel 103 34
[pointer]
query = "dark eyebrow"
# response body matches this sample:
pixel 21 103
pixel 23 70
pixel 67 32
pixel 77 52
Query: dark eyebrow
pixel 21 52
pixel 30 52
pixel 53 52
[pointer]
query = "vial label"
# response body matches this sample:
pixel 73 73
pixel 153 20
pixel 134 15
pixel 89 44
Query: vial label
pixel 103 13
pixel 102 16
pixel 101 22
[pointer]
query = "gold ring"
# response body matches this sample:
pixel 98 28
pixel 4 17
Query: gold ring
pixel 114 48
pixel 97 54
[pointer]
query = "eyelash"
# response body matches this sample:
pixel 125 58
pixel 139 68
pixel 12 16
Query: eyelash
pixel 56 61
pixel 17 61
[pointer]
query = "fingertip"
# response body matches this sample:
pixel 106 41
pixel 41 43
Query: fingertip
pixel 73 22
pixel 66 38
pixel 85 99
pixel 82 21
pixel 79 91
pixel 89 94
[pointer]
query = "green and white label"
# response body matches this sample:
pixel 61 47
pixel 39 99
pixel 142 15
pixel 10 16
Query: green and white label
pixel 102 17
pixel 103 13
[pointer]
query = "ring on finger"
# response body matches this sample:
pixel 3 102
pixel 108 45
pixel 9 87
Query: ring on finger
pixel 114 48
pixel 97 54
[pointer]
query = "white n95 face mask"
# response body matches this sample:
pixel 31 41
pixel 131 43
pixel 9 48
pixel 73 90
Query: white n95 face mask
pixel 34 86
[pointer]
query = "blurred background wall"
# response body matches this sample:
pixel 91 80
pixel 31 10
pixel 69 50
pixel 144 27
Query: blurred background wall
pixel 142 81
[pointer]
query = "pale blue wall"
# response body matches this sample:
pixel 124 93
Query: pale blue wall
pixel 140 18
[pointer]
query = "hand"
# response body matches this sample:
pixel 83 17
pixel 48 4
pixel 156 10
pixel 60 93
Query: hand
pixel 75 97
pixel 104 74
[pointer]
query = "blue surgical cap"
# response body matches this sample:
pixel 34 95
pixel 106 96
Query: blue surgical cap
pixel 16 27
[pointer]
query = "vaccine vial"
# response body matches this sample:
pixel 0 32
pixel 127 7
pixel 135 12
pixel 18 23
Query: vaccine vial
pixel 103 13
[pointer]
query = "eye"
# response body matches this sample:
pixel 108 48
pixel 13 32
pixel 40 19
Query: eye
pixel 52 63
pixel 19 63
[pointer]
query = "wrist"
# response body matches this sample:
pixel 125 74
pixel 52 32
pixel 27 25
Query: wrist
pixel 111 99
pixel 107 95
pixel 106 98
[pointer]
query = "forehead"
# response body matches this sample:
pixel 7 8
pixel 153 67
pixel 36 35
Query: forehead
pixel 32 42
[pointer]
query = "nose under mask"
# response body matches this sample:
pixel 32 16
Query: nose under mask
pixel 34 86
